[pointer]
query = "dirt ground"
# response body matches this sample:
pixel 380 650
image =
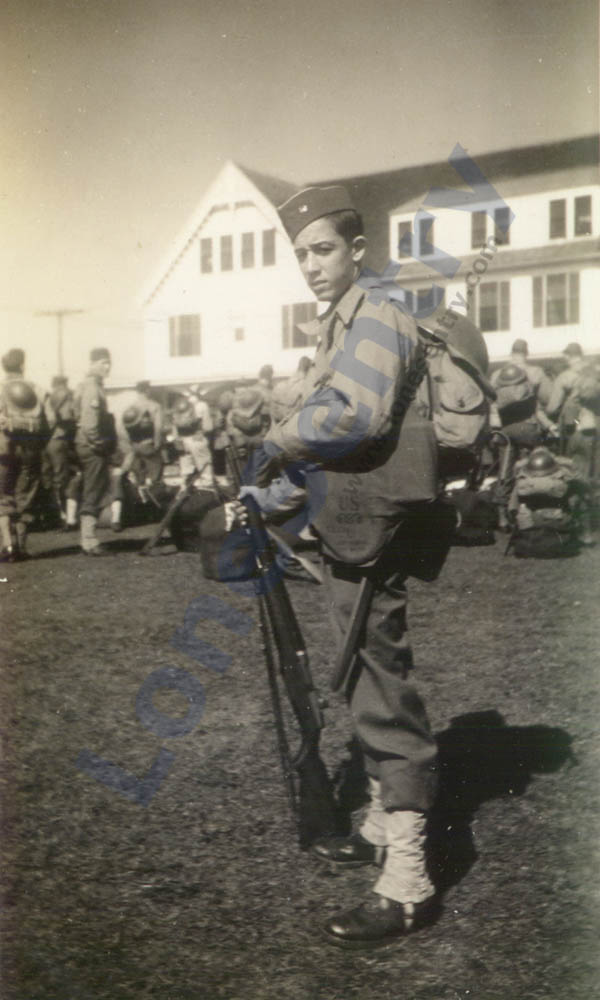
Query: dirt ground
pixel 182 879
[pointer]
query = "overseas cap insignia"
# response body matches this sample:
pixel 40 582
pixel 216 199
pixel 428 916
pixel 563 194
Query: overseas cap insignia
pixel 310 204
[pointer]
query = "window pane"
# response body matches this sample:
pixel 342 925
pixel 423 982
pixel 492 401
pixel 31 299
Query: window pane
pixel 501 223
pixel 268 247
pixel 537 302
pixel 488 306
pixel 226 253
pixel 583 215
pixel 558 219
pixel 504 305
pixel 425 237
pixel 247 249
pixel 478 228
pixel 574 298
pixel 405 239
pixel 184 336
pixel 206 256
pixel 285 325
pixel 556 299
pixel 300 312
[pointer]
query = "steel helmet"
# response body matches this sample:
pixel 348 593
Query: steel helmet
pixel 184 413
pixel 131 416
pixel 541 462
pixel 511 375
pixel 21 395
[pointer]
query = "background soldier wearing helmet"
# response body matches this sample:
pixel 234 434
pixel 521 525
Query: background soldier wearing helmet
pixel 575 403
pixel 23 434
pixel 95 441
pixel 143 434
pixel 195 460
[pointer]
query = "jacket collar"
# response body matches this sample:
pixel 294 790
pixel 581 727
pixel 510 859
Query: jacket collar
pixel 345 308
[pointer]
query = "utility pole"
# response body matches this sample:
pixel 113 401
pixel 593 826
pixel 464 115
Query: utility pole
pixel 60 314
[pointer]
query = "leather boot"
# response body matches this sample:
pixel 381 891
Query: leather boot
pixel 348 852
pixel 378 921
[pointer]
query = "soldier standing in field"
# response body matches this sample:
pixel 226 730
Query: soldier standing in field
pixel 23 434
pixel 367 450
pixel 95 441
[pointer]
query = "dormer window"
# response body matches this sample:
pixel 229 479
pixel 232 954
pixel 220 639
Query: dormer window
pixel 247 249
pixel 478 229
pixel 501 226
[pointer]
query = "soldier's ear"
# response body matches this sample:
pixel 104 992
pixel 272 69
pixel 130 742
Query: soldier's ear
pixel 359 245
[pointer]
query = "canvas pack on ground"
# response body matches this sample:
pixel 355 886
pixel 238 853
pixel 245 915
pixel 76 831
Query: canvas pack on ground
pixel 21 409
pixel 546 506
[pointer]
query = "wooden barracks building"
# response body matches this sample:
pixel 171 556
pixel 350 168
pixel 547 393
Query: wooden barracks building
pixel 228 296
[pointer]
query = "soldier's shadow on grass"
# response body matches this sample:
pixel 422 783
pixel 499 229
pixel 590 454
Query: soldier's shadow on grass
pixel 480 758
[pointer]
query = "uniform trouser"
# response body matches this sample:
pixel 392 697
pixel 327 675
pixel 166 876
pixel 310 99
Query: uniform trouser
pixel 147 467
pixel 581 448
pixel 388 714
pixel 63 464
pixel 20 465
pixel 96 480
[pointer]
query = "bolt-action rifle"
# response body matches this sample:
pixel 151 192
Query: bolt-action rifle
pixel 307 783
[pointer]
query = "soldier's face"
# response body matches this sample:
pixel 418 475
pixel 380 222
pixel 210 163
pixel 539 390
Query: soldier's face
pixel 101 367
pixel 329 264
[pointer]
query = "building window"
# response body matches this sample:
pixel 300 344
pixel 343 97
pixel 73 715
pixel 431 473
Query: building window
pixel 300 312
pixel 206 260
pixel 494 306
pixel 238 333
pixel 556 299
pixel 226 253
pixel 425 237
pixel 268 247
pixel 558 219
pixel 501 226
pixel 184 336
pixel 405 238
pixel 583 215
pixel 247 249
pixel 478 229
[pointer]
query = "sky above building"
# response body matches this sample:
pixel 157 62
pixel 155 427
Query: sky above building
pixel 117 114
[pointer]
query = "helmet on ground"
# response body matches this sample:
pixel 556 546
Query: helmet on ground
pixel 21 395
pixel 541 462
pixel 511 375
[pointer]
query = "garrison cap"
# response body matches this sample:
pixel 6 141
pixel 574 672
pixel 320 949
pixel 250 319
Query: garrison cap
pixel 312 203
pixel 99 354
pixel 574 350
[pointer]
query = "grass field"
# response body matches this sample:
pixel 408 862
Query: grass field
pixel 203 893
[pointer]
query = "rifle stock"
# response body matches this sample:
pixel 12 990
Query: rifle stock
pixel 305 776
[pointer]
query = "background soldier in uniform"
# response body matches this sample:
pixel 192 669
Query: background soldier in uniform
pixel 23 434
pixel 95 441
pixel 369 454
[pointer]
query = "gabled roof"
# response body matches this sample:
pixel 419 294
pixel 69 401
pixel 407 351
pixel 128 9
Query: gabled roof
pixel 273 188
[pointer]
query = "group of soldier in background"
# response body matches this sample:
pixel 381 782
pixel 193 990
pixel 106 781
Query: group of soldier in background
pixel 69 441
pixel 72 442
